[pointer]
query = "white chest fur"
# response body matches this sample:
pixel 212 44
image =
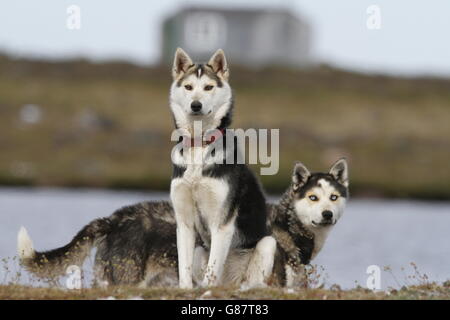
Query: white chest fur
pixel 196 159
pixel 320 235
pixel 206 196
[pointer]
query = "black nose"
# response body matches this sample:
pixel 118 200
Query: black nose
pixel 196 106
pixel 327 214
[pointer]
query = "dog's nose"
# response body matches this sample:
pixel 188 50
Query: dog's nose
pixel 327 214
pixel 196 106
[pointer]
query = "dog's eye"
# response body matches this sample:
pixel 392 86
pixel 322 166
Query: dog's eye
pixel 208 87
pixel 333 197
pixel 313 198
pixel 188 87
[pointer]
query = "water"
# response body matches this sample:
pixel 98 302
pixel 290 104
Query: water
pixel 372 232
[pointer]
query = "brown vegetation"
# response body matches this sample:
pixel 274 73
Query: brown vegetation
pixel 108 125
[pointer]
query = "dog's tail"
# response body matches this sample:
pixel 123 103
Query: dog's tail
pixel 53 263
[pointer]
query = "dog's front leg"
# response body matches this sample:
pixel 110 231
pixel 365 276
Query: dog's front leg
pixel 185 246
pixel 221 238
pixel 261 263
pixel 296 277
pixel 183 205
pixel 200 263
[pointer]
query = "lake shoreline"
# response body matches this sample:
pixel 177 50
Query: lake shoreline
pixel 165 191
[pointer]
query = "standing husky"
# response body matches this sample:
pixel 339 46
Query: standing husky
pixel 137 244
pixel 222 203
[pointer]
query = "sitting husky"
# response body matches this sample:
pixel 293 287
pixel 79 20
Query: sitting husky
pixel 214 197
pixel 137 244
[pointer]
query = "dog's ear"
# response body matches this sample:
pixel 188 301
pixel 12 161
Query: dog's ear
pixel 181 63
pixel 339 170
pixel 218 63
pixel 300 175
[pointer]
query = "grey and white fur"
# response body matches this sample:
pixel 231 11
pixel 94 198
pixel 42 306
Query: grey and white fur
pixel 137 244
pixel 221 202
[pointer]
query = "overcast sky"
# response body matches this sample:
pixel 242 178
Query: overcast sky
pixel 413 39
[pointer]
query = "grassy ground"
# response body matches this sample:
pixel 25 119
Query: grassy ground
pixel 429 291
pixel 16 283
pixel 108 125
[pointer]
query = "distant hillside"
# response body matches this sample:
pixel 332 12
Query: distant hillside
pixel 75 123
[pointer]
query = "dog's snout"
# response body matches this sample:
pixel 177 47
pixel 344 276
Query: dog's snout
pixel 327 214
pixel 196 106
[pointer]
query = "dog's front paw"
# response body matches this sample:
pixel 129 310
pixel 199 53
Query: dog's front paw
pixel 103 284
pixel 206 283
pixel 249 286
pixel 186 285
pixel 209 281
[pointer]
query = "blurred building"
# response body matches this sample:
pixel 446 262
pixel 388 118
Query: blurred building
pixel 252 37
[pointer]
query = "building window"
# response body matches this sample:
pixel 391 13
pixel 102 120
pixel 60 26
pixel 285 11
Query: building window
pixel 204 32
